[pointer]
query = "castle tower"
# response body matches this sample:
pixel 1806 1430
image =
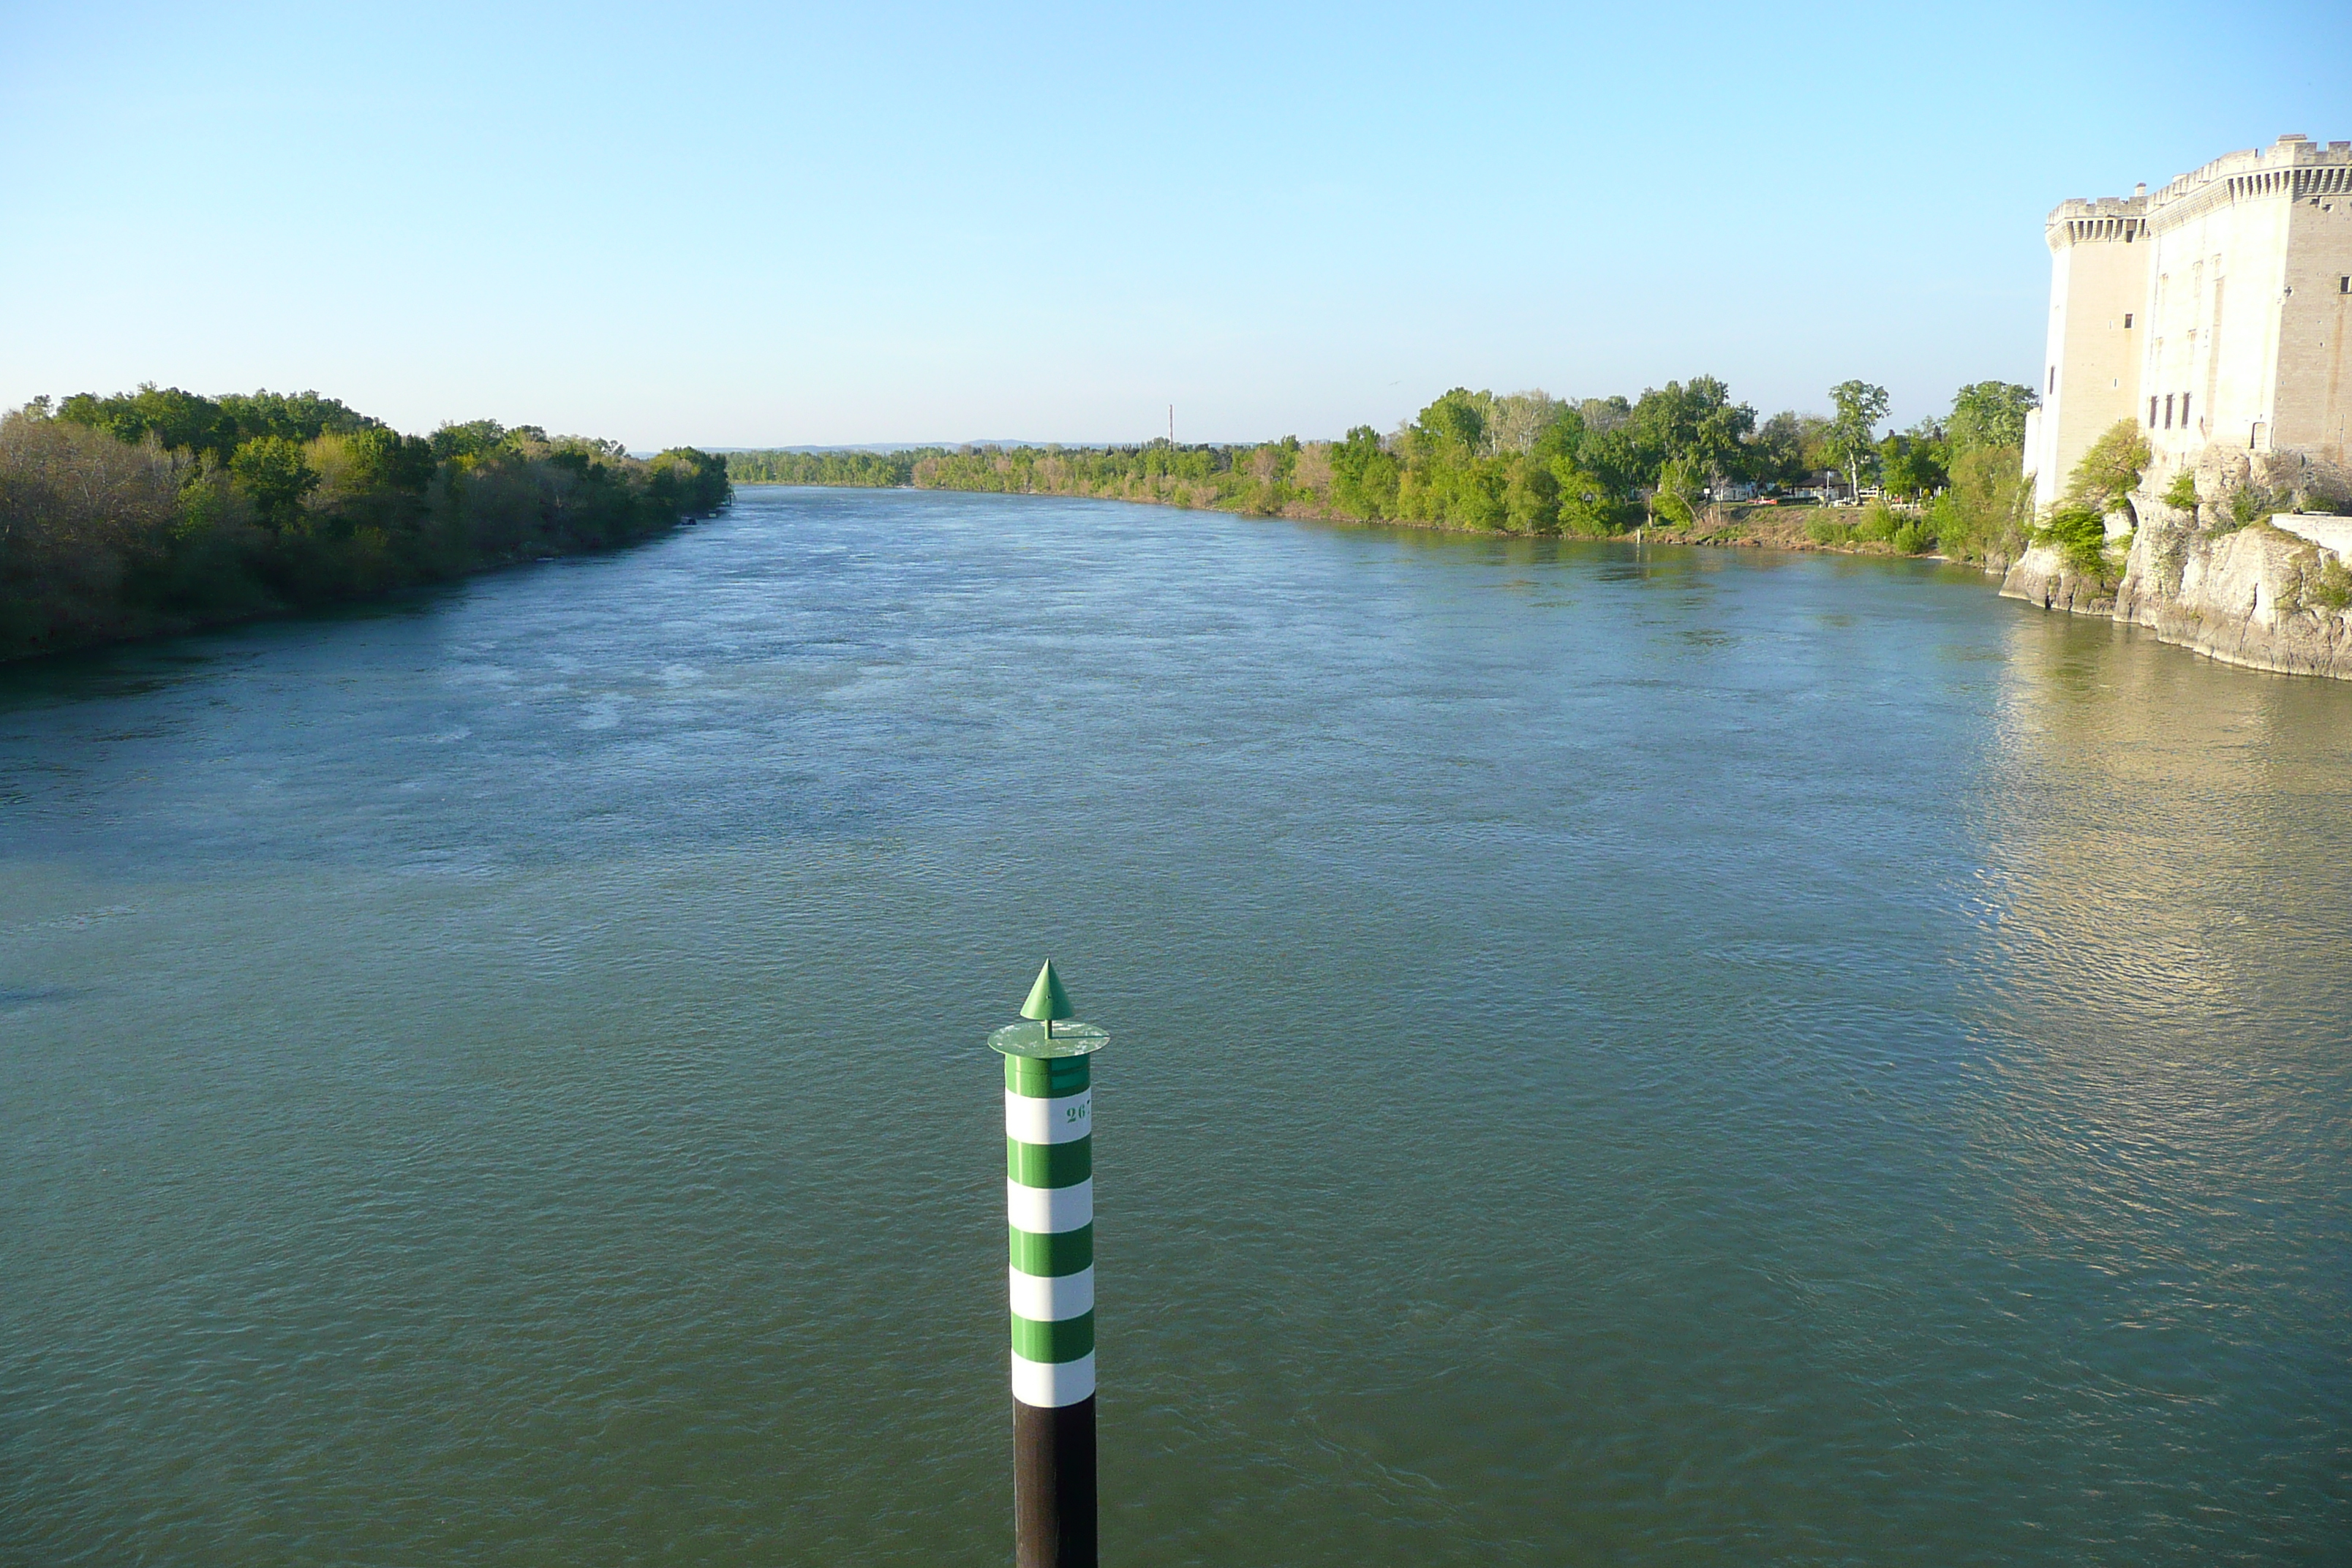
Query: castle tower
pixel 2090 378
pixel 2215 310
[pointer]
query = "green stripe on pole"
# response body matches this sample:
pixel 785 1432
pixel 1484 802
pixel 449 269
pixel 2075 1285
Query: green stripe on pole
pixel 1051 1253
pixel 1049 1165
pixel 1066 1340
pixel 1047 1078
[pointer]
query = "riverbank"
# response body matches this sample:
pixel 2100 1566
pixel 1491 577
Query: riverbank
pixel 1529 464
pixel 1822 530
pixel 159 512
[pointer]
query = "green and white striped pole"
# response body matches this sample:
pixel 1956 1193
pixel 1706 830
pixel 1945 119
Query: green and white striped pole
pixel 1049 1190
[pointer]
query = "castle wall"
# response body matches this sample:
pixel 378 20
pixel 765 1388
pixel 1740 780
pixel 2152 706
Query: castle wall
pixel 2314 361
pixel 2238 371
pixel 2098 276
pixel 2239 278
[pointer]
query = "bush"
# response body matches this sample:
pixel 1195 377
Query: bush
pixel 1829 530
pixel 2182 494
pixel 2332 590
pixel 1878 524
pixel 2080 536
pixel 2247 504
pixel 1913 538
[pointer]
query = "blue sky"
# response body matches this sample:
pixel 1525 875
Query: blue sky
pixel 740 226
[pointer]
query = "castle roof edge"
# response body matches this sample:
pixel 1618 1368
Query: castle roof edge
pixel 2287 153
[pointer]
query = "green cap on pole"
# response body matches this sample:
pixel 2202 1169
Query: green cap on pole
pixel 1037 1037
pixel 1048 1000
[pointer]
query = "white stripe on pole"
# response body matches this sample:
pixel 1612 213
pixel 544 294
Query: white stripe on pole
pixel 1050 1384
pixel 1030 1120
pixel 1050 1297
pixel 1050 1209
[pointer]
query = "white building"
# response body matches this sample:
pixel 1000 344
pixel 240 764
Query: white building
pixel 2214 310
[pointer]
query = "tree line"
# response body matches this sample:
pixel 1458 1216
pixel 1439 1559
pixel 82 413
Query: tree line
pixel 160 510
pixel 1529 462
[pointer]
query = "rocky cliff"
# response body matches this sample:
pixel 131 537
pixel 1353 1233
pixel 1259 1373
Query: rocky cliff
pixel 2256 573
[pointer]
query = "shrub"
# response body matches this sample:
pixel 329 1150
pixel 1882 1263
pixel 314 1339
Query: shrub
pixel 2332 590
pixel 1877 524
pixel 2248 503
pixel 2080 536
pixel 1912 539
pixel 1829 530
pixel 2182 492
pixel 2104 480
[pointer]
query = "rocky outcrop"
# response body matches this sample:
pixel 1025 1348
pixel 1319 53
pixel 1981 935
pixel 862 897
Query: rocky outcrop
pixel 2042 576
pixel 2258 596
pixel 2239 576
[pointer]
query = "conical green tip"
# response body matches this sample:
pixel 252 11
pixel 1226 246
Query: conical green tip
pixel 1048 1000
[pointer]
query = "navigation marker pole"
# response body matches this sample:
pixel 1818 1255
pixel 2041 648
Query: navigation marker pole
pixel 1049 1189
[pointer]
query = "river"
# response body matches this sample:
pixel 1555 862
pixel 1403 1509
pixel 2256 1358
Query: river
pixel 1683 1056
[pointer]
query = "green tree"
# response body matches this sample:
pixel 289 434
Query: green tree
pixel 1694 424
pixel 2102 484
pixel 1912 461
pixel 2109 472
pixel 1454 426
pixel 1987 513
pixel 271 473
pixel 179 421
pixel 1363 475
pixel 1990 414
pixel 1779 454
pixel 1853 429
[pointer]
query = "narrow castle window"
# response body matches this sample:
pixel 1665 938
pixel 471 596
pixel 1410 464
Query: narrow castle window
pixel 2344 285
pixel 2151 411
pixel 2184 411
pixel 2054 378
pixel 2128 316
pixel 2168 411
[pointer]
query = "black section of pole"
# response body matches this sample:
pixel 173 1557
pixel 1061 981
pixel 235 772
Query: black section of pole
pixel 1054 1485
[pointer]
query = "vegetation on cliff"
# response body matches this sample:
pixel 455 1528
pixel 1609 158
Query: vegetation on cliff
pixel 1531 463
pixel 2101 485
pixel 160 510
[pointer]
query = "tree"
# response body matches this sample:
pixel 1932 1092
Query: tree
pixel 1364 475
pixel 1455 425
pixel 1987 512
pixel 1778 454
pixel 2102 483
pixel 2110 471
pixel 1989 414
pixel 1694 425
pixel 1680 488
pixel 1912 461
pixel 1853 429
pixel 1516 421
pixel 181 421
pixel 272 474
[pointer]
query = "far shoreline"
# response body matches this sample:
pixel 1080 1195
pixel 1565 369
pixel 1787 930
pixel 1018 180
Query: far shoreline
pixel 1735 525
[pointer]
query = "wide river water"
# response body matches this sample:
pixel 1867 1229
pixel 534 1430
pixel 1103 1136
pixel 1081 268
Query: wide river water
pixel 1677 1058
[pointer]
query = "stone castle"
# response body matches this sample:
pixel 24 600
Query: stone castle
pixel 2209 317
pixel 2212 311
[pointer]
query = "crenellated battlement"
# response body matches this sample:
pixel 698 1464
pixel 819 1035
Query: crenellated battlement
pixel 2294 167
